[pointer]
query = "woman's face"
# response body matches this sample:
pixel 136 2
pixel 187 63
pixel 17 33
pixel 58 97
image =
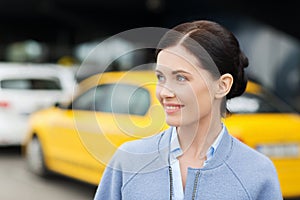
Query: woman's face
pixel 184 88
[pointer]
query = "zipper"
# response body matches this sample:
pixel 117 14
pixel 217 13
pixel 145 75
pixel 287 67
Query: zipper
pixel 195 185
pixel 171 182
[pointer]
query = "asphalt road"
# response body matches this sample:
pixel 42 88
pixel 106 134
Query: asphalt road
pixel 16 182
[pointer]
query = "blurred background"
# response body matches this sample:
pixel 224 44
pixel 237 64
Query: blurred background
pixel 65 31
pixel 42 35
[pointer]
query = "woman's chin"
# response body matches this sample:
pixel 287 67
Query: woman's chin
pixel 175 123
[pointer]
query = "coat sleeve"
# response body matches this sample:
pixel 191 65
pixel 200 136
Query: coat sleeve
pixel 271 186
pixel 110 185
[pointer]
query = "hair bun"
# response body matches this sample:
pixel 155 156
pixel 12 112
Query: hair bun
pixel 239 79
pixel 243 60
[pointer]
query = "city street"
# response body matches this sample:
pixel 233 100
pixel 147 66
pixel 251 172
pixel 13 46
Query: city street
pixel 16 182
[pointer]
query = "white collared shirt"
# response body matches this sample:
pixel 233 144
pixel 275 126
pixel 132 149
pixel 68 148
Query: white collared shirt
pixel 176 152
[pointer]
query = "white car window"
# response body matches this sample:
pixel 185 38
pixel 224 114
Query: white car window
pixel 31 84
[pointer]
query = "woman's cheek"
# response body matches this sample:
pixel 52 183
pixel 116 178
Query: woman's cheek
pixel 157 92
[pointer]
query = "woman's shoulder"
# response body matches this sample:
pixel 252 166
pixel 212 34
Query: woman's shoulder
pixel 245 156
pixel 255 171
pixel 133 156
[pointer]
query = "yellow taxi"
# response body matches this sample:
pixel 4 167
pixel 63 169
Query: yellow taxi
pixel 78 139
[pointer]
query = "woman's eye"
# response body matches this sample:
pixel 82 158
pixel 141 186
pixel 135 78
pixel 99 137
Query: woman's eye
pixel 160 78
pixel 180 78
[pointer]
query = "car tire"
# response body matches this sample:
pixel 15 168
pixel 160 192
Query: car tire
pixel 35 158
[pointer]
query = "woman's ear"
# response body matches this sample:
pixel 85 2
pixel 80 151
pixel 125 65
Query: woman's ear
pixel 224 85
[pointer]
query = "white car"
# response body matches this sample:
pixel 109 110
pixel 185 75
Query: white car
pixel 25 88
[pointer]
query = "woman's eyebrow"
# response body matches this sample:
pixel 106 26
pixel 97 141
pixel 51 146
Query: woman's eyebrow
pixel 174 72
pixel 180 71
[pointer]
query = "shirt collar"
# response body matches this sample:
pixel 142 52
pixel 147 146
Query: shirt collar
pixel 211 151
pixel 176 150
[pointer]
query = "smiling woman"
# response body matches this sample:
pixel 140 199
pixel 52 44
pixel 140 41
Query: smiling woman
pixel 199 66
pixel 178 76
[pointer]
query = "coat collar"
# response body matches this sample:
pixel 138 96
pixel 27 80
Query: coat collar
pixel 222 152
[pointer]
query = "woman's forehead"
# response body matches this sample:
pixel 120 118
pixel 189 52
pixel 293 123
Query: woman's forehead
pixel 178 54
pixel 178 58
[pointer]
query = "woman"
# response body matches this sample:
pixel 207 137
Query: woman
pixel 199 66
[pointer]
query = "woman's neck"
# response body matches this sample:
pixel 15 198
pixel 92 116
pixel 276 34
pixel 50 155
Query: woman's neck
pixel 195 139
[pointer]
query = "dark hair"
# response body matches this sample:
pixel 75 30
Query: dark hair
pixel 219 45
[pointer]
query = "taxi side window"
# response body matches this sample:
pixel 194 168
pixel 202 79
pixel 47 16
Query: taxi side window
pixel 114 98
pixel 85 101
pixel 250 103
pixel 122 99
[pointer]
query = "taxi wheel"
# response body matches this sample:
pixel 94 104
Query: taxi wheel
pixel 35 157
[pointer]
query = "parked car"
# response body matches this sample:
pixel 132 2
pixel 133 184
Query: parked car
pixel 25 88
pixel 79 138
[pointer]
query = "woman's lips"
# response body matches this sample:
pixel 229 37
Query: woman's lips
pixel 172 108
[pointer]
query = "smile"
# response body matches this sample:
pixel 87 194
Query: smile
pixel 170 109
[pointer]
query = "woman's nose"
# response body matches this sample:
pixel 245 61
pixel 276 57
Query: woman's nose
pixel 166 92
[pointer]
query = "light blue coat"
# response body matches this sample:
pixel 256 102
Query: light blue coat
pixel 140 170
